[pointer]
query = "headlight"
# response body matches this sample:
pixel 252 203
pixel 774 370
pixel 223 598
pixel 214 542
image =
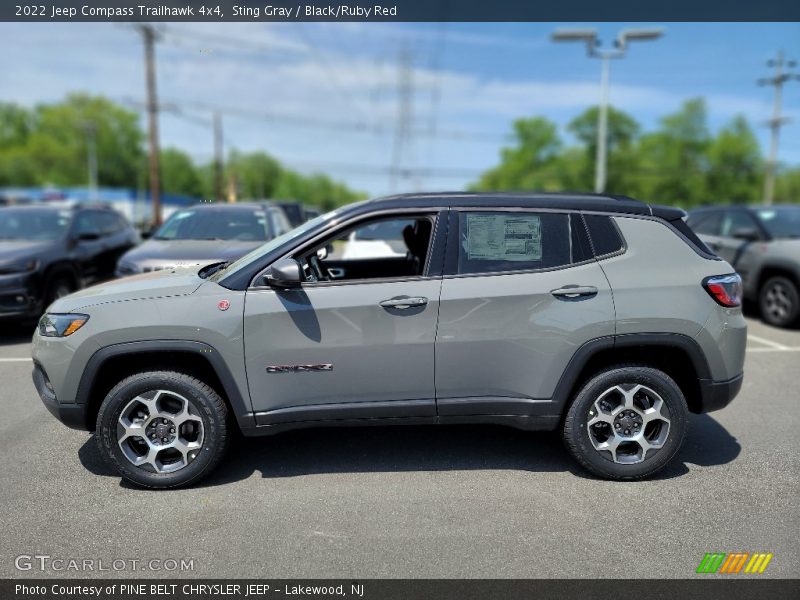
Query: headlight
pixel 22 266
pixel 61 325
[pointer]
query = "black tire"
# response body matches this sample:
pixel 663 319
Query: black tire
pixel 779 301
pixel 600 462
pixel 58 287
pixel 205 404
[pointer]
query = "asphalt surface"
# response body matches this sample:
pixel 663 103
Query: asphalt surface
pixel 415 502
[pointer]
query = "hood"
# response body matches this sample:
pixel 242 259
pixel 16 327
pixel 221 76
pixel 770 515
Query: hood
pixel 173 252
pixel 15 250
pixel 162 284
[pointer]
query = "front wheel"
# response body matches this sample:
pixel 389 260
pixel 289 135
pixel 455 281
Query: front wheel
pixel 162 429
pixel 626 423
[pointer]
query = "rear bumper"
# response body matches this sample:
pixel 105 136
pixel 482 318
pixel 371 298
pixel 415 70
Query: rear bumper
pixel 715 395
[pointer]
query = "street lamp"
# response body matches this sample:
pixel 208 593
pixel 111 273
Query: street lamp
pixel 589 37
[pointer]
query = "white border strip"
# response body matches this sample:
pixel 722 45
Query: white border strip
pixel 766 342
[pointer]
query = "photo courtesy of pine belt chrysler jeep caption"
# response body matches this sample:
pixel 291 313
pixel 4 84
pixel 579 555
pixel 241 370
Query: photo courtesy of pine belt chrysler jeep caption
pixel 600 316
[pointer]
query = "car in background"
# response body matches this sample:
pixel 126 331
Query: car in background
pixel 382 239
pixel 294 211
pixel 48 251
pixel 205 234
pixel 763 244
pixel 312 213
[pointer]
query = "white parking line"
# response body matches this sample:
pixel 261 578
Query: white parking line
pixel 15 359
pixel 766 342
pixel 783 349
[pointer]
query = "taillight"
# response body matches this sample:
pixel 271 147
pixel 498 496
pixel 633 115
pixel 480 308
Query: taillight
pixel 725 289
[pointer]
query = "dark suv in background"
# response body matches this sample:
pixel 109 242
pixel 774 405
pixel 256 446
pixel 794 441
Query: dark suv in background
pixel 46 252
pixel 763 244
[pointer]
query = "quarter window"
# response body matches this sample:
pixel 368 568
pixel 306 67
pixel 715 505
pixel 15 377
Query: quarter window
pixel 492 242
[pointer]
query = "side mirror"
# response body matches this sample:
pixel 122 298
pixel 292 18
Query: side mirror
pixel 748 234
pixel 88 236
pixel 285 273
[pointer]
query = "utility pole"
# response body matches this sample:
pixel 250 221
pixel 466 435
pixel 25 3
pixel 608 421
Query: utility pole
pixel 777 120
pixel 589 37
pixel 149 37
pixel 405 116
pixel 218 157
pixel 91 157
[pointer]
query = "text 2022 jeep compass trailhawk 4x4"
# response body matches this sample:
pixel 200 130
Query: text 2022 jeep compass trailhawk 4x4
pixel 601 316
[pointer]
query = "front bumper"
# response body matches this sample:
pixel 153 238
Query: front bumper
pixel 71 415
pixel 19 296
pixel 715 395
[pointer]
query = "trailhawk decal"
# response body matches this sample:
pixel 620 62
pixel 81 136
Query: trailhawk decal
pixel 299 368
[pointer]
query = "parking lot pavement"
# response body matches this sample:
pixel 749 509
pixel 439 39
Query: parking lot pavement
pixel 417 502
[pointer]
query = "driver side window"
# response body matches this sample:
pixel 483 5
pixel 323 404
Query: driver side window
pixel 387 247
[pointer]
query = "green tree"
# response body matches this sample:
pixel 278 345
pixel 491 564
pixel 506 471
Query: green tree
pixel 674 159
pixel 179 174
pixel 57 144
pixel 532 163
pixel 734 164
pixel 787 187
pixel 256 174
pixel 622 163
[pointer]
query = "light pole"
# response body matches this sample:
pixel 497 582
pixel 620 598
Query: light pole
pixel 589 37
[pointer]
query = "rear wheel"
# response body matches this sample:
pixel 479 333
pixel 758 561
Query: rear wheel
pixel 626 423
pixel 162 429
pixel 779 301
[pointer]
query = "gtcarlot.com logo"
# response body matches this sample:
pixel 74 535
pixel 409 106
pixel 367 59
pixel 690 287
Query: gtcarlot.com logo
pixel 734 563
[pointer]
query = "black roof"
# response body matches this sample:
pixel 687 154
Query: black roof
pixel 606 203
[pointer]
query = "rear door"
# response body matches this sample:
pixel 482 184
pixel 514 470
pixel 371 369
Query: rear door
pixel 521 293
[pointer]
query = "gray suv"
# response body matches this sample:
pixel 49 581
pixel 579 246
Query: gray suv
pixel 600 316
pixel 763 244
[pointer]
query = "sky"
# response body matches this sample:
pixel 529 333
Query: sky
pixel 328 97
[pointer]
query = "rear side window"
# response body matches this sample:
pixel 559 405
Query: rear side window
pixel 606 238
pixel 496 242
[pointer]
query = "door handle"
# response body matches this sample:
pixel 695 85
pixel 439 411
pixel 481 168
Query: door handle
pixel 403 302
pixel 336 272
pixel 572 292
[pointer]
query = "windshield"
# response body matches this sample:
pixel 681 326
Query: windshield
pixel 270 246
pixel 781 221
pixel 234 224
pixel 33 224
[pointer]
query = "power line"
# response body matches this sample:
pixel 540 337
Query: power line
pixel 304 121
pixel 777 121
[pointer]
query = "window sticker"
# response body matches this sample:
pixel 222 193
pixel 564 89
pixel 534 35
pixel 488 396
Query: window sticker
pixel 509 237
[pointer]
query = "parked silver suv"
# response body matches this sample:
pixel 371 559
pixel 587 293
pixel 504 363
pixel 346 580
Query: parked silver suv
pixel 600 316
pixel 763 245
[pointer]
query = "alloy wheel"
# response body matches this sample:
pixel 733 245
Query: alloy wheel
pixel 628 423
pixel 159 431
pixel 777 301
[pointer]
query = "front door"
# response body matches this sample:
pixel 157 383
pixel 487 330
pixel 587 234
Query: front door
pixel 353 345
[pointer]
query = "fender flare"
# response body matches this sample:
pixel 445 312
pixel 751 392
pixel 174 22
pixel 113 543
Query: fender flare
pixel 579 360
pixel 239 405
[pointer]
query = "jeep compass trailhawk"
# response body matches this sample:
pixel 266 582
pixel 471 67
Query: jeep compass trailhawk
pixel 600 316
